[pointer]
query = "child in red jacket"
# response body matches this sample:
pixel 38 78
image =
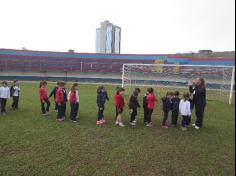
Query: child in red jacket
pixel 73 99
pixel 44 98
pixel 120 104
pixel 151 104
pixel 60 100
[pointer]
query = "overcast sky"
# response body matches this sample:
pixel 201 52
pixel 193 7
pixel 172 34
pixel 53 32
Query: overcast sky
pixel 148 26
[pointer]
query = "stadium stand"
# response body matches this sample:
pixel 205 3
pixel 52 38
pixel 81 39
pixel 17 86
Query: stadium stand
pixel 74 63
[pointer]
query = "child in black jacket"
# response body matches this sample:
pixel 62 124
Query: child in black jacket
pixel 167 105
pixel 53 93
pixel 133 106
pixel 65 98
pixel 102 97
pixel 145 108
pixel 175 108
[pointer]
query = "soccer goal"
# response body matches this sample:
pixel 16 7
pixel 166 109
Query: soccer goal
pixel 220 80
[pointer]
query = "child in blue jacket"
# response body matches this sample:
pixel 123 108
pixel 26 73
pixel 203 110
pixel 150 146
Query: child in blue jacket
pixel 102 97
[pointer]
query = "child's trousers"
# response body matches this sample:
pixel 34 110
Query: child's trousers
pixel 174 116
pixel 145 115
pixel 60 111
pixel 15 102
pixel 165 118
pixel 133 115
pixel 149 116
pixel 73 111
pixel 64 110
pixel 184 120
pixel 100 112
pixel 44 110
pixel 3 105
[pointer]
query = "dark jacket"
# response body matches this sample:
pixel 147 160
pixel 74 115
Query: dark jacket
pixel 191 104
pixel 102 97
pixel 65 94
pixel 133 102
pixel 145 102
pixel 167 105
pixel 175 103
pixel 13 89
pixel 53 92
pixel 199 96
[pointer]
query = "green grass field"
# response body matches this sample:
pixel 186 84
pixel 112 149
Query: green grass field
pixel 34 145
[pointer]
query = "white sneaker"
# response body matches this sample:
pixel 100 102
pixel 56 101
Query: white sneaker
pixel 121 124
pixel 193 125
pixel 135 121
pixel 116 123
pixel 197 128
pixel 132 123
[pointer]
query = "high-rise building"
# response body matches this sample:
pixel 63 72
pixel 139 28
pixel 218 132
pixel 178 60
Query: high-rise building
pixel 108 38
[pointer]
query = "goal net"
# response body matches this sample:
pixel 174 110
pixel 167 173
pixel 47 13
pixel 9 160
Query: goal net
pixel 220 80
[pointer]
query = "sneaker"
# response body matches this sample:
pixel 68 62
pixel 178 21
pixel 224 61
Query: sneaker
pixel 149 125
pixel 132 123
pixel 135 121
pixel 197 128
pixel 121 124
pixel 193 125
pixel 55 110
pixel 59 120
pixel 45 114
pixel 116 123
pixel 99 122
pixel 103 121
pixel 183 128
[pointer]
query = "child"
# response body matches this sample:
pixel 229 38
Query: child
pixel 73 99
pixel 120 104
pixel 133 106
pixel 53 93
pixel 151 104
pixel 102 97
pixel 175 108
pixel 145 109
pixel 60 100
pixel 167 104
pixel 117 92
pixel 15 93
pixel 65 98
pixel 4 95
pixel 44 98
pixel 185 110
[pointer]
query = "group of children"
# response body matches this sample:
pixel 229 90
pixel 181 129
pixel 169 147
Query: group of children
pixel 6 93
pixel 171 103
pixel 61 98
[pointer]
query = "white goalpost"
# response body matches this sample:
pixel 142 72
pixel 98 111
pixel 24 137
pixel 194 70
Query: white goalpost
pixel 220 80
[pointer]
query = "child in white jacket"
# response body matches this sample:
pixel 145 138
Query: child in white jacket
pixel 185 110
pixel 4 95
pixel 77 99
